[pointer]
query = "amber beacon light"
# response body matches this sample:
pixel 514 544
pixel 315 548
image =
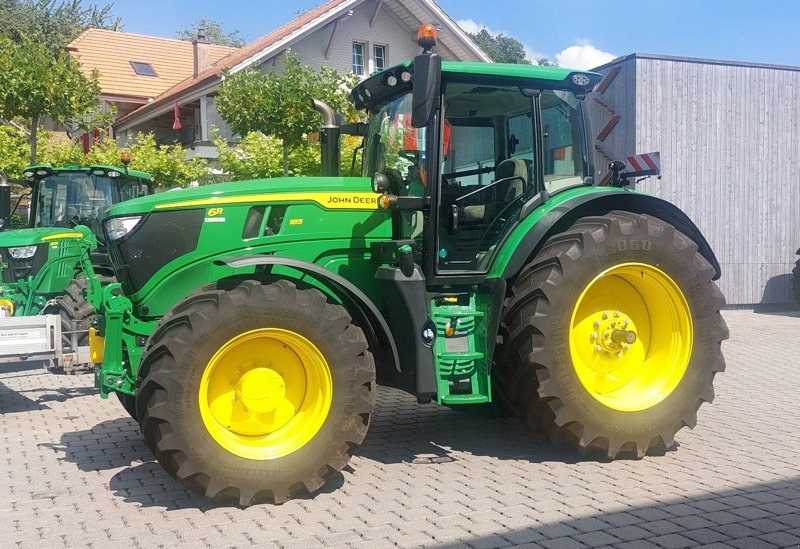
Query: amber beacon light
pixel 426 36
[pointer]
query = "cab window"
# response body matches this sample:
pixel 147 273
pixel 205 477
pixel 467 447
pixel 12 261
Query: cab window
pixel 562 141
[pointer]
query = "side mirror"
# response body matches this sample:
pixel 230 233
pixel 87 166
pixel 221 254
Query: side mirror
pixel 427 87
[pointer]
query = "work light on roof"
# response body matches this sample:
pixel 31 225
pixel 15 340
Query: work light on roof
pixel 391 80
pixel 580 80
pixel 405 76
pixel 27 175
pixel 42 172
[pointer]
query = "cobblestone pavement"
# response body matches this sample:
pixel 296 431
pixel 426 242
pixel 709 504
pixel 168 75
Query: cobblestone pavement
pixel 74 471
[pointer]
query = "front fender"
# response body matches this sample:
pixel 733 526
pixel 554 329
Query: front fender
pixel 354 300
pixel 529 237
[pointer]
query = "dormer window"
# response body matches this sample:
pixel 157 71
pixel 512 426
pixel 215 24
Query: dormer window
pixel 143 69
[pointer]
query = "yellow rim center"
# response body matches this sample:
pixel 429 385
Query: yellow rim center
pixel 631 337
pixel 265 393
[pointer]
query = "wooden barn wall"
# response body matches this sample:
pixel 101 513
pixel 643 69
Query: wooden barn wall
pixel 729 138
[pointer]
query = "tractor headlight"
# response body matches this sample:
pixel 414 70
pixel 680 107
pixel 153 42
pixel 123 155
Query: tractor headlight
pixel 23 252
pixel 117 227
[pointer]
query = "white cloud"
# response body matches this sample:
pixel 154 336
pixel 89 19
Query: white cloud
pixel 472 27
pixel 583 55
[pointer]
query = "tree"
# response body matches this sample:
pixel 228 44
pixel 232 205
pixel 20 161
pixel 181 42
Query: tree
pixel 506 49
pixel 215 33
pixel 279 104
pixel 37 82
pixel 52 22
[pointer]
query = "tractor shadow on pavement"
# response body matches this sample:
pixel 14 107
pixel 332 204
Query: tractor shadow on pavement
pixel 401 432
pixel 13 402
pixel 118 444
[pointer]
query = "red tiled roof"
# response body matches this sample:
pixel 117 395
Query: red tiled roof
pixel 239 56
pixel 111 52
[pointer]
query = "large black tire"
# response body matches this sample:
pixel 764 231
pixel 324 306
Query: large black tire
pixel 183 346
pixel 796 282
pixel 129 403
pixel 76 313
pixel 537 375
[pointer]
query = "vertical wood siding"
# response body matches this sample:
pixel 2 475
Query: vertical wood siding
pixel 729 138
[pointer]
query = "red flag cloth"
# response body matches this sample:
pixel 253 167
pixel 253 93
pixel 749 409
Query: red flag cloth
pixel 176 124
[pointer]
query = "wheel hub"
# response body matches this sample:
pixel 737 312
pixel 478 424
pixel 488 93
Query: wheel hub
pixel 614 333
pixel 261 390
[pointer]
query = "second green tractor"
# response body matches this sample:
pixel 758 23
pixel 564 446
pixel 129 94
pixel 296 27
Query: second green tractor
pixel 475 260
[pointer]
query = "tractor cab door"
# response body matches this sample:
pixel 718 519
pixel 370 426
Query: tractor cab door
pixel 501 146
pixel 488 170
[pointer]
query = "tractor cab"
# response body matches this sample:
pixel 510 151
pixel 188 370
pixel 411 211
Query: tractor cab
pixel 497 137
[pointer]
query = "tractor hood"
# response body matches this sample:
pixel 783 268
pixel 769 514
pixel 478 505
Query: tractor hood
pixel 28 237
pixel 330 192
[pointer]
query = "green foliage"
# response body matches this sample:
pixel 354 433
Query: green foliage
pixel 506 49
pixel 215 33
pixel 258 156
pixel 14 151
pixel 279 103
pixel 165 163
pixel 53 23
pixel 36 82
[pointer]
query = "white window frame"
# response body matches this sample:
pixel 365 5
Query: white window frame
pixel 375 56
pixel 364 58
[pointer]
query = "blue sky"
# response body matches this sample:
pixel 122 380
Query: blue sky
pixel 572 31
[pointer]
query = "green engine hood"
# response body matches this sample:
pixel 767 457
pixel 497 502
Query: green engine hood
pixel 290 189
pixel 29 237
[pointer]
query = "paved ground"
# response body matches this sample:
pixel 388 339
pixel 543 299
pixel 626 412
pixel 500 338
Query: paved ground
pixel 73 471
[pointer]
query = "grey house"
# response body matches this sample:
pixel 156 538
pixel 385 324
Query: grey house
pixel 729 137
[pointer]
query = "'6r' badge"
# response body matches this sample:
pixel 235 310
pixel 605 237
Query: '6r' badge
pixel 214 215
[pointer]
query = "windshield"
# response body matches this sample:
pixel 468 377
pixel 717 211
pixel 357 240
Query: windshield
pixel 395 148
pixel 72 198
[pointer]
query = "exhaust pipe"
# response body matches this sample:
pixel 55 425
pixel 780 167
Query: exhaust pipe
pixel 5 201
pixel 329 139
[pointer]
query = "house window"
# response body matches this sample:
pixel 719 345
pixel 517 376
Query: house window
pixel 358 58
pixel 379 53
pixel 143 69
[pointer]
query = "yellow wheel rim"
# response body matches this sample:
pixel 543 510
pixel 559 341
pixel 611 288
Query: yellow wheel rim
pixel 265 393
pixel 630 337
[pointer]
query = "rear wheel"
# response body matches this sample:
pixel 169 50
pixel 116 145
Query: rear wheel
pixel 255 394
pixel 612 335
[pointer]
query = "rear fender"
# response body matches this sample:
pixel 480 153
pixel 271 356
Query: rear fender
pixel 360 307
pixel 567 213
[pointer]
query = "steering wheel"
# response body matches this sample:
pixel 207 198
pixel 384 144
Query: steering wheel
pixel 490 186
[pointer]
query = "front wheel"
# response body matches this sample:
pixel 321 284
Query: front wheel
pixel 255 394
pixel 612 335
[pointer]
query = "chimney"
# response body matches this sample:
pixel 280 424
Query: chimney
pixel 202 52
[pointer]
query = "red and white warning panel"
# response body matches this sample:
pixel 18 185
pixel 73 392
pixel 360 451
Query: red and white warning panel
pixel 646 164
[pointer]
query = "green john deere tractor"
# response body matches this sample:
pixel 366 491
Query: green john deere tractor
pixel 44 265
pixel 475 259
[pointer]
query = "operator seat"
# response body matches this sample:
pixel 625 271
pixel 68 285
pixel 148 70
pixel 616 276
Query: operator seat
pixel 510 191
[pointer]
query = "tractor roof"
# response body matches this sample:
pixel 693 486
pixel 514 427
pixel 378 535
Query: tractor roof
pixel 374 89
pixel 134 174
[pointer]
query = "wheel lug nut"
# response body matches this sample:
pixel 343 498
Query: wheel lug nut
pixel 598 348
pixel 616 313
pixel 606 335
pixel 596 323
pixel 605 316
pixel 594 335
